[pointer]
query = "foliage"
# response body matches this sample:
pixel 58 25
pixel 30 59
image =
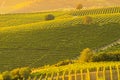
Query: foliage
pixel 91 66
pixel 86 55
pixel 6 75
pixel 49 17
pixel 110 56
pixel 24 72
pixel 87 20
pixel 79 6
pixel 16 74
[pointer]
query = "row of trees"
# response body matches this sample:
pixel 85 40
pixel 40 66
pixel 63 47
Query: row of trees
pixel 87 55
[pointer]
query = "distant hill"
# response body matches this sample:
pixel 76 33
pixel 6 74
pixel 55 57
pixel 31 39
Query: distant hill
pixel 22 6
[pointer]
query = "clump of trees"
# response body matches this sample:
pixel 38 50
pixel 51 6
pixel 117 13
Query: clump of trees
pixel 86 55
pixel 87 20
pixel 49 17
pixel 6 75
pixel 79 7
pixel 109 56
pixel 17 74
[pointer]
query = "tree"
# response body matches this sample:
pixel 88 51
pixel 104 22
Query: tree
pixel 15 74
pixel 49 17
pixel 87 20
pixel 86 55
pixel 79 6
pixel 6 75
pixel 25 72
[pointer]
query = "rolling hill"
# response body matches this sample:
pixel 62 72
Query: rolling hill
pixel 25 6
pixel 28 40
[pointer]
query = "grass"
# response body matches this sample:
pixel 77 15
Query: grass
pixel 7 20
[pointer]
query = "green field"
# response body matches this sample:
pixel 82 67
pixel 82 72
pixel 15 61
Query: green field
pixel 28 40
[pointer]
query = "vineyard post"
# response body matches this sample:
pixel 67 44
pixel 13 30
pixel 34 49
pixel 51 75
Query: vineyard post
pixel 57 78
pixel 104 73
pixel 46 76
pixel 97 73
pixel 111 76
pixel 88 74
pixel 81 73
pixel 40 77
pixel 52 76
pixel 69 75
pixel 75 74
pixel 63 76
pixel 118 73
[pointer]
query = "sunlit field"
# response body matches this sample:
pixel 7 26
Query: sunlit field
pixel 71 44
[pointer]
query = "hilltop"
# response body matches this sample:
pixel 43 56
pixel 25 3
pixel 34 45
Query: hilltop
pixel 25 6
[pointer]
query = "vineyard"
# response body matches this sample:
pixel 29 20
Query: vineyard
pixel 80 71
pixel 108 10
pixel 29 40
pixel 44 41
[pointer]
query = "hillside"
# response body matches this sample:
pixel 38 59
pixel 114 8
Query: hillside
pixel 28 40
pixel 22 6
pixel 33 46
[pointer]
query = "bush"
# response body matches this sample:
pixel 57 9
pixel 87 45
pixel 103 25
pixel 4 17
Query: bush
pixel 6 75
pixel 79 6
pixel 106 57
pixel 87 20
pixel 15 74
pixel 24 72
pixel 86 55
pixel 49 17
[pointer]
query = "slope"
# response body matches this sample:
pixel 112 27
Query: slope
pixel 21 6
pixel 49 42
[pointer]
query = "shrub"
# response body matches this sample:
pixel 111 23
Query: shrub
pixel 106 57
pixel 24 72
pixel 6 75
pixel 79 6
pixel 85 55
pixel 15 74
pixel 49 17
pixel 87 20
